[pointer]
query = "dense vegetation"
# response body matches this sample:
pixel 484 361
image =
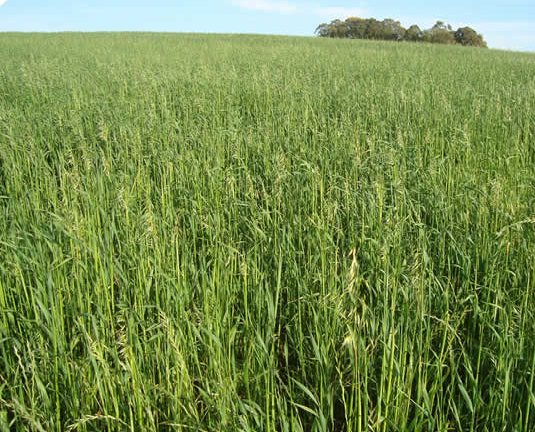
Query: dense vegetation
pixel 249 233
pixel 389 29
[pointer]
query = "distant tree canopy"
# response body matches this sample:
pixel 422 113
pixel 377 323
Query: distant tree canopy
pixel 389 29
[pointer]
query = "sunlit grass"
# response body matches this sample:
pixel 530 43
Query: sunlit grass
pixel 248 233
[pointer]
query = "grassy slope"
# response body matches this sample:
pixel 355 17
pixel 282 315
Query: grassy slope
pixel 265 233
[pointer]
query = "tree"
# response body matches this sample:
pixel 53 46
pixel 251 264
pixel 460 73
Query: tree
pixel 441 33
pixel 393 30
pixel 375 29
pixel 337 29
pixel 389 29
pixel 467 36
pixel 322 30
pixel 441 25
pixel 357 28
pixel 414 34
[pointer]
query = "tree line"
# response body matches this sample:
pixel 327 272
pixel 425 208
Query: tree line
pixel 389 29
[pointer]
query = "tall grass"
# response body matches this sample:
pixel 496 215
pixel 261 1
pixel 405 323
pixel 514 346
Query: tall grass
pixel 248 233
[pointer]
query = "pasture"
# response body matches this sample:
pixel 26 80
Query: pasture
pixel 260 233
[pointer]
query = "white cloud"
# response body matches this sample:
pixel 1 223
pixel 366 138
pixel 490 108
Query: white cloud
pixel 2 2
pixel 293 8
pixel 339 12
pixel 265 5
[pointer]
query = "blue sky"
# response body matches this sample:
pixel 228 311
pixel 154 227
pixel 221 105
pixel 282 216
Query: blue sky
pixel 506 24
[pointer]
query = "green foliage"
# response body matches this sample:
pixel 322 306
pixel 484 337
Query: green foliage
pixel 389 29
pixel 253 233
pixel 414 34
pixel 358 28
pixel 440 33
pixel 392 30
pixel 322 30
pixel 467 36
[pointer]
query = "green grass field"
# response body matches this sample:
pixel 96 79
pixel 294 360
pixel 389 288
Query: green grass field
pixel 253 233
